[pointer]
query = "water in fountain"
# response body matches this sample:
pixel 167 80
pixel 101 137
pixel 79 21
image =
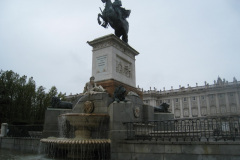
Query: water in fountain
pixel 82 136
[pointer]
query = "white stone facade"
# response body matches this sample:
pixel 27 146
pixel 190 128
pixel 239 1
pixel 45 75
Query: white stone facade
pixel 221 98
pixel 113 59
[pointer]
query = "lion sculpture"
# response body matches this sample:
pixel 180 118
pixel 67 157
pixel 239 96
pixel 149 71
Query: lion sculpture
pixel 57 103
pixel 119 94
pixel 162 108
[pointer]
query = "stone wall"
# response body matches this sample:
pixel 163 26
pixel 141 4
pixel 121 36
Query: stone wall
pixel 150 150
pixel 20 144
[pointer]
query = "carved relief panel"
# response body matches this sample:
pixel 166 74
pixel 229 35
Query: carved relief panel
pixel 177 113
pixel 123 67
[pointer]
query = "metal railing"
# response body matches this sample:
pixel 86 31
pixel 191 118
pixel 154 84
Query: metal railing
pixel 29 131
pixel 195 129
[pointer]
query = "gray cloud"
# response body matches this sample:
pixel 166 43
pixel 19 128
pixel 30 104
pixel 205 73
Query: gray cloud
pixel 180 42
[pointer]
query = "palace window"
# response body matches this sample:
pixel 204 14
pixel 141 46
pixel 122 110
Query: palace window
pixel 220 95
pixel 211 96
pixel 184 99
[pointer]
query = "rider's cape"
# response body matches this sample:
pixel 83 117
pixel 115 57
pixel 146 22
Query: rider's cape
pixel 125 12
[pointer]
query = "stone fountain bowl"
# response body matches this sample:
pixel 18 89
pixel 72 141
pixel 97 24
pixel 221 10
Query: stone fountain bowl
pixel 84 145
pixel 67 141
pixel 88 149
pixel 85 120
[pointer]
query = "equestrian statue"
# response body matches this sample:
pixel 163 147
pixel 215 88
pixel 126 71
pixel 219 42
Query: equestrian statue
pixel 115 16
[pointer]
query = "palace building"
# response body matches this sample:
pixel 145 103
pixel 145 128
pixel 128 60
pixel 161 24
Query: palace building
pixel 220 98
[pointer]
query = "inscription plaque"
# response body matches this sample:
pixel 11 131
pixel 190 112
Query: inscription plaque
pixel 101 64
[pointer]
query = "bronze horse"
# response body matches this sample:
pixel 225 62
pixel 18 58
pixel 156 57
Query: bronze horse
pixel 116 17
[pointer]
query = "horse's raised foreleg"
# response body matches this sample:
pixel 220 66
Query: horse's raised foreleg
pixel 99 21
pixel 105 23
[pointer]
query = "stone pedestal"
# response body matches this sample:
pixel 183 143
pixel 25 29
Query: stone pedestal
pixel 111 84
pixel 51 122
pixel 113 63
pixel 100 101
pixel 4 128
pixel 120 113
pixel 163 116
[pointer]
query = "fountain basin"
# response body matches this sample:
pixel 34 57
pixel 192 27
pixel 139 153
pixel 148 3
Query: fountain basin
pixel 88 149
pixel 89 140
pixel 85 124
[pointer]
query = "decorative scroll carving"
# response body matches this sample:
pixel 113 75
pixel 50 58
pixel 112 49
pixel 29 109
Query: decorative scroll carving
pixel 136 112
pixel 111 43
pixel 102 45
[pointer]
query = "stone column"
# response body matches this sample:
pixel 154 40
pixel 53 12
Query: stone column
pixel 181 107
pixel 237 100
pixel 198 104
pixel 227 103
pixel 208 105
pixel 173 108
pixel 190 106
pixel 217 104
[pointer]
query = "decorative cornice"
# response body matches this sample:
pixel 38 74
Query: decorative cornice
pixel 112 40
pixel 195 90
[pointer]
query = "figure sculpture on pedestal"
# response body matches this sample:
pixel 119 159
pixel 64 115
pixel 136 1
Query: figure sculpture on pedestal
pixel 115 15
pixel 92 88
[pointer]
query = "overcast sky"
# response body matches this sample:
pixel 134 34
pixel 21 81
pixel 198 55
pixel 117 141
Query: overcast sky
pixel 180 41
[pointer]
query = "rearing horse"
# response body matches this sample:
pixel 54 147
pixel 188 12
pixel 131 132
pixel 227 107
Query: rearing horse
pixel 118 23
